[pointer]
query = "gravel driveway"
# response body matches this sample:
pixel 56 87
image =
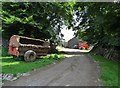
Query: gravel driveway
pixel 77 70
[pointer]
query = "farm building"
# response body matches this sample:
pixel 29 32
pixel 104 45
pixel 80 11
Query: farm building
pixel 72 42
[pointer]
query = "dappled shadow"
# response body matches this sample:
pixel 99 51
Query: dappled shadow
pixel 17 66
pixel 10 59
pixel 14 65
pixel 15 59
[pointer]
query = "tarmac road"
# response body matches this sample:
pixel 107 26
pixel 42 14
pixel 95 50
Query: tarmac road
pixel 77 70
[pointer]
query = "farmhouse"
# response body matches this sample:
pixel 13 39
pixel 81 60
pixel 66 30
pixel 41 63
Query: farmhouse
pixel 72 42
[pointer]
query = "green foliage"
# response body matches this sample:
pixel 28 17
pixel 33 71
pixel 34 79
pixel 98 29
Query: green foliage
pixel 42 20
pixel 97 22
pixel 4 51
pixel 14 65
pixel 100 22
pixel 109 70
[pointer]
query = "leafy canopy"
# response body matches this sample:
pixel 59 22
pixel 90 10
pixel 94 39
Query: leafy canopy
pixel 42 20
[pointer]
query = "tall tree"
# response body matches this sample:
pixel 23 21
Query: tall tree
pixel 42 20
pixel 99 22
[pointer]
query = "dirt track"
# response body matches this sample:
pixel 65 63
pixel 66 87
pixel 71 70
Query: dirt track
pixel 78 70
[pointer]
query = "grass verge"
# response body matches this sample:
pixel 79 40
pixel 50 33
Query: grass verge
pixel 12 65
pixel 109 70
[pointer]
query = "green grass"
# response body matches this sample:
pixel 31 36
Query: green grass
pixel 12 65
pixel 109 70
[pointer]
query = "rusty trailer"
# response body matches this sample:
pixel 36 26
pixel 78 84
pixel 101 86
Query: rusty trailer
pixel 30 48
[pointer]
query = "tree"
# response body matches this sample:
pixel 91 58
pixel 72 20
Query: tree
pixel 99 22
pixel 42 20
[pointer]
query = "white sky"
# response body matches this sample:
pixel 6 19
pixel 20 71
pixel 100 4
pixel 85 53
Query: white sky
pixel 68 34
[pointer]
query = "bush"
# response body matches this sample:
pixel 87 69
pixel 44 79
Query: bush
pixel 55 57
pixel 4 51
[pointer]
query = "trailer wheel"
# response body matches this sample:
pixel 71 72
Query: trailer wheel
pixel 29 55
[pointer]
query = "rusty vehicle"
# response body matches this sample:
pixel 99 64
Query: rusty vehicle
pixel 82 45
pixel 27 47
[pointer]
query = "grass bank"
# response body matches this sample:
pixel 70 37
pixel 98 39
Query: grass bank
pixel 12 65
pixel 109 70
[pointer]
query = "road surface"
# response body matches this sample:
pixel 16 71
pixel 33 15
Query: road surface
pixel 75 70
pixel 68 50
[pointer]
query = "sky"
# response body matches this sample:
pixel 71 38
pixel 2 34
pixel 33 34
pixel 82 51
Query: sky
pixel 68 34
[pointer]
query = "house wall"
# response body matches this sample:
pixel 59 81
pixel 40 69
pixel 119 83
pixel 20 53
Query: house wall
pixel 72 42
pixel 65 44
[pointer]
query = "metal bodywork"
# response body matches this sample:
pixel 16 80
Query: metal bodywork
pixel 82 45
pixel 18 45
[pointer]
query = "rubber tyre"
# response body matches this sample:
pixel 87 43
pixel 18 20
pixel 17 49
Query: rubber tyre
pixel 29 55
